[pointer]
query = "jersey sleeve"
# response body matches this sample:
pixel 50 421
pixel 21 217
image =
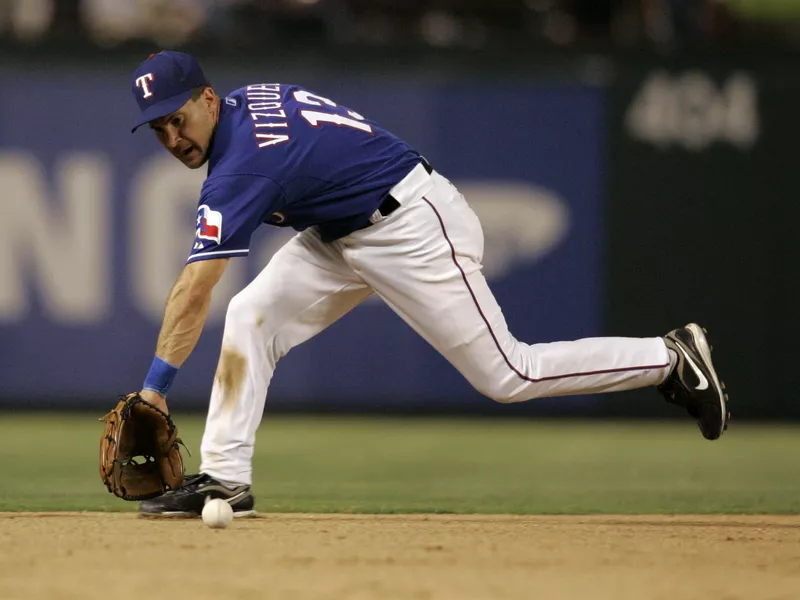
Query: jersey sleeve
pixel 230 209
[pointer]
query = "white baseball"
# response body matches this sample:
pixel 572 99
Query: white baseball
pixel 217 513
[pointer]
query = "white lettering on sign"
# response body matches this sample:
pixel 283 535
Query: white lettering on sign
pixel 61 244
pixel 161 230
pixel 521 223
pixel 57 241
pixel 692 111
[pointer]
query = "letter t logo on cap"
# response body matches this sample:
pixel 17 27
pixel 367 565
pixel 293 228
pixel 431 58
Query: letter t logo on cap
pixel 142 83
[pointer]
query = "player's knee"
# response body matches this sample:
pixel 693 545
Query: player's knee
pixel 242 314
pixel 503 397
pixel 497 391
pixel 508 393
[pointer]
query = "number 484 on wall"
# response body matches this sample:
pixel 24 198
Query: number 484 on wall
pixel 690 110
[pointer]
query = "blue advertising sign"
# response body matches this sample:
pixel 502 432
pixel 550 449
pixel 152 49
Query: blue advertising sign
pixel 97 224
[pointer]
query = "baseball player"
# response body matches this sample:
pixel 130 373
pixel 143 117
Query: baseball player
pixel 373 216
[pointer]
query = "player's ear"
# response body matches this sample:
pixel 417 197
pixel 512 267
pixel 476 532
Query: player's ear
pixel 209 96
pixel 210 100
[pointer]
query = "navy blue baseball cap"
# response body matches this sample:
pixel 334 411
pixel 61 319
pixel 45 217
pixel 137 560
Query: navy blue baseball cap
pixel 163 83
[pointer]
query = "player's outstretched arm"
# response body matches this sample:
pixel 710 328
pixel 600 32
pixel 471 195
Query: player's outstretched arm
pixel 184 317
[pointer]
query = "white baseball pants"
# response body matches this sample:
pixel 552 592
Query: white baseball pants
pixel 424 261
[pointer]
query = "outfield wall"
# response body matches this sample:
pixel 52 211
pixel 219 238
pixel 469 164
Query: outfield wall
pixel 583 179
pixel 702 215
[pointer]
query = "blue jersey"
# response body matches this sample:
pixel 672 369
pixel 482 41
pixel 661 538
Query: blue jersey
pixel 285 156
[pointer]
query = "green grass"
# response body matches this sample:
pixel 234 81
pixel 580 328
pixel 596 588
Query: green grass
pixel 49 462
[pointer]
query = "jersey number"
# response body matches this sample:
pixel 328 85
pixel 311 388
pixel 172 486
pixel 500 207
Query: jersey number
pixel 316 117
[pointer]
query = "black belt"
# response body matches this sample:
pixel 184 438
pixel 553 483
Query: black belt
pixel 390 203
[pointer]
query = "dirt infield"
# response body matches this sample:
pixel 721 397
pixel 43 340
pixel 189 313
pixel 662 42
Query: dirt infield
pixel 90 556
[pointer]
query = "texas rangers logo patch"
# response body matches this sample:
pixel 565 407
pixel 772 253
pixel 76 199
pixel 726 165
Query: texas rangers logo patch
pixel 209 224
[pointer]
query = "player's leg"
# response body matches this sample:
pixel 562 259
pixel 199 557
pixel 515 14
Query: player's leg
pixel 424 261
pixel 304 289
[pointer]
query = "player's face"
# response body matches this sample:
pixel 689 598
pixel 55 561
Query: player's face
pixel 187 132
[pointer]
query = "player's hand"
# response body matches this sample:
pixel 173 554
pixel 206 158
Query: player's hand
pixel 155 399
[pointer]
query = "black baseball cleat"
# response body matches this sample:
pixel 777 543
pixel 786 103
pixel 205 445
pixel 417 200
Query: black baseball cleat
pixel 189 499
pixel 693 383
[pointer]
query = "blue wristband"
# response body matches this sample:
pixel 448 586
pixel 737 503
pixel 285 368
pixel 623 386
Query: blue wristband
pixel 160 377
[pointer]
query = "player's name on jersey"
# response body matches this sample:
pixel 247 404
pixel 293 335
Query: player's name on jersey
pixel 266 109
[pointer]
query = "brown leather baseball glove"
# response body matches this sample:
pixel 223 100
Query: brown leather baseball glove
pixel 139 453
